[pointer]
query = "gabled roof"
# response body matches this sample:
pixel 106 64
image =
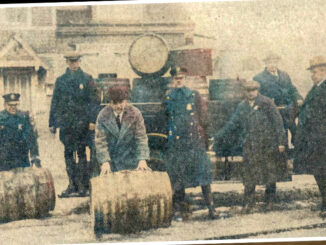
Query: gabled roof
pixel 18 53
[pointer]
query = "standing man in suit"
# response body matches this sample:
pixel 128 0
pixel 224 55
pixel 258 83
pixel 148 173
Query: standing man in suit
pixel 187 162
pixel 310 150
pixel 72 111
pixel 120 135
pixel 276 84
pixel 18 136
pixel 259 125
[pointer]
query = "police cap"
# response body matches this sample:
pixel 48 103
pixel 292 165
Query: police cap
pixel 178 70
pixel 11 97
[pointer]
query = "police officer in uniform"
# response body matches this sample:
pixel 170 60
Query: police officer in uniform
pixel 72 111
pixel 187 162
pixel 18 136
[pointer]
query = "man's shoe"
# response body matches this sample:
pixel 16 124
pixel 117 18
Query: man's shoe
pixel 178 217
pixel 212 213
pixel 322 214
pixel 66 193
pixel 83 193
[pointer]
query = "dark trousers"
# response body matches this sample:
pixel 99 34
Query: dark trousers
pixel 77 172
pixel 179 197
pixel 249 193
pixel 320 178
pixel 76 141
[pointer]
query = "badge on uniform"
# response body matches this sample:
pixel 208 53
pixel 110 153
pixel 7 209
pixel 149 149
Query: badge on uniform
pixel 81 86
pixel 189 107
pixel 20 126
pixel 2 127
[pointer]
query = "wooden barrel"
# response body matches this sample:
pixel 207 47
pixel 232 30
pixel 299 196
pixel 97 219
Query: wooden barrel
pixel 130 201
pixel 149 55
pixel 26 193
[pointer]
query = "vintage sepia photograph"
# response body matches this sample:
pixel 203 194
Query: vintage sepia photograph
pixel 171 121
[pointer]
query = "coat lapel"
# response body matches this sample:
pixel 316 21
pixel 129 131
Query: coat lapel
pixel 125 123
pixel 111 124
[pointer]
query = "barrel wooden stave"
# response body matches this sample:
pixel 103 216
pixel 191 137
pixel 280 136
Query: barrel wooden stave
pixel 25 193
pixel 126 209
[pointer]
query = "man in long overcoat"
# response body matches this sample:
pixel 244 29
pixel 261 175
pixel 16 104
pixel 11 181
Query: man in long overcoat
pixel 18 136
pixel 187 162
pixel 259 124
pixel 120 135
pixel 72 111
pixel 310 140
pixel 277 85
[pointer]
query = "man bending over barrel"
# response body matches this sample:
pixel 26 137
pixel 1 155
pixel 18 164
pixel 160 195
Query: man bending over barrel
pixel 120 135
pixel 18 136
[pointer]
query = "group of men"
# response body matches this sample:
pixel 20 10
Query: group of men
pixel 261 120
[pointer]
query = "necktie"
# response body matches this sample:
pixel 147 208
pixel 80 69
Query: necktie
pixel 118 121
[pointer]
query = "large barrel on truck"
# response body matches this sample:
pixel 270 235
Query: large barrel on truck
pixel 149 55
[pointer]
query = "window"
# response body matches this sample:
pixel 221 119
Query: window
pixel 16 15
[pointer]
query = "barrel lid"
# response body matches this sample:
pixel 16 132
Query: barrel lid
pixel 148 55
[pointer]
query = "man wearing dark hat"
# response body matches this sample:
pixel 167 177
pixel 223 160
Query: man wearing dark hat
pixel 18 136
pixel 120 135
pixel 72 111
pixel 310 141
pixel 259 124
pixel 187 162
pixel 277 85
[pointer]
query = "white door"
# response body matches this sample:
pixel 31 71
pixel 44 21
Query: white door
pixel 18 80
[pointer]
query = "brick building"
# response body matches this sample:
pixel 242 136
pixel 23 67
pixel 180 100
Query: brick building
pixel 34 39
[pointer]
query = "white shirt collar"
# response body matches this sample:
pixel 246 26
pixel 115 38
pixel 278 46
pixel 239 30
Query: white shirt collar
pixel 116 114
pixel 318 84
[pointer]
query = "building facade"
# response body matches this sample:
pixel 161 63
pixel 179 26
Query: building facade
pixel 34 39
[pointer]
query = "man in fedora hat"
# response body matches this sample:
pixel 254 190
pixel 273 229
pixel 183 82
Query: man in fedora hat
pixel 259 124
pixel 187 162
pixel 18 136
pixel 120 135
pixel 72 111
pixel 276 84
pixel 310 141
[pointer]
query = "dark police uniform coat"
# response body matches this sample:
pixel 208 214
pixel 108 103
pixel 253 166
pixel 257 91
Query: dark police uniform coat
pixel 281 89
pixel 260 128
pixel 125 147
pixel 73 105
pixel 18 139
pixel 310 140
pixel 187 163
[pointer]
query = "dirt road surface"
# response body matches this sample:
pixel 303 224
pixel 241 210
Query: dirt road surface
pixel 295 213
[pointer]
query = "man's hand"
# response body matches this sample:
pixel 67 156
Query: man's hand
pixel 91 126
pixel 36 162
pixel 281 148
pixel 299 102
pixel 105 168
pixel 142 165
pixel 53 130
